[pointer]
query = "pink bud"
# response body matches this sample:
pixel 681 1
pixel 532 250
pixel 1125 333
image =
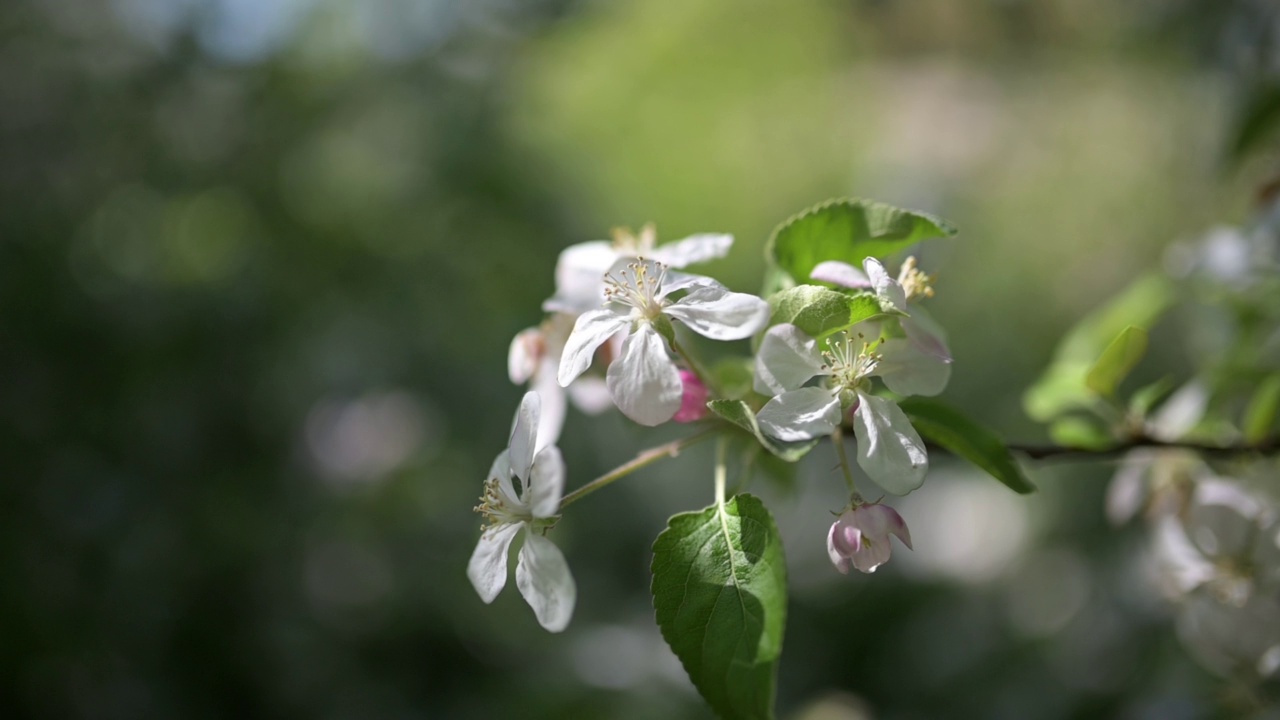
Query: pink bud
pixel 693 404
pixel 860 537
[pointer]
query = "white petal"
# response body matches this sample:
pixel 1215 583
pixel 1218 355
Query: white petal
pixel 488 567
pixel 580 277
pixel 1127 492
pixel 873 553
pixel 786 360
pixel 889 449
pixel 836 555
pixel 888 291
pixel 545 582
pixel 643 381
pixel 693 249
pixel 719 314
pixel 926 334
pixel 590 331
pixel 908 371
pixel 546 483
pixel 1181 412
pixel 524 355
pixel 551 422
pixel 840 273
pixel 524 434
pixel 800 414
pixel 674 280
pixel 501 470
pixel 590 395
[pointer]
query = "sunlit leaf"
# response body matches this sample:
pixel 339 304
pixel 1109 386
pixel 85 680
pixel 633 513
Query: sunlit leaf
pixel 1117 361
pixel 820 311
pixel 848 230
pixel 720 594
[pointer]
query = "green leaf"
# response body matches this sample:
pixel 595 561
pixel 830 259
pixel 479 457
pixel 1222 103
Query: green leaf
pixel 1076 432
pixel 739 413
pixel 820 311
pixel 733 376
pixel 1062 387
pixel 1261 413
pixel 720 592
pixel 1147 397
pixel 1117 361
pixel 848 230
pixel 945 426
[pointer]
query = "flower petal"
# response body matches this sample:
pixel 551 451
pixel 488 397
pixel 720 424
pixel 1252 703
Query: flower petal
pixel 719 314
pixel 888 291
pixel 800 414
pixel 693 249
pixel 926 334
pixel 674 280
pixel 837 544
pixel 787 358
pixel 580 277
pixel 545 582
pixel 591 330
pixel 524 434
pixel 501 470
pixel 840 273
pixel 524 355
pixel 551 421
pixel 590 394
pixel 487 569
pixel 546 483
pixel 643 381
pixel 872 554
pixel 881 521
pixel 889 449
pixel 907 371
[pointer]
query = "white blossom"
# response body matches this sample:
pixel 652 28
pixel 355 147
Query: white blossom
pixel 644 381
pixel 534 358
pixel 542 575
pixel 859 538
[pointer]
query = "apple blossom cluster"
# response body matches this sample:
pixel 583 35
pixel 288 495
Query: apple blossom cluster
pixel 616 334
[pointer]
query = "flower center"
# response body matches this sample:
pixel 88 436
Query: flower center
pixel 913 281
pixel 637 285
pixel 499 508
pixel 850 362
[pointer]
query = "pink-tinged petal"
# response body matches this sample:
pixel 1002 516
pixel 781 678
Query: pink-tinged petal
pixel 872 554
pixel 888 291
pixel 551 421
pixel 524 434
pixel 525 354
pixel 590 331
pixel 543 577
pixel 838 555
pixel 487 569
pixel 546 483
pixel 881 521
pixel 693 403
pixel 801 414
pixel 926 334
pixel 643 381
pixel 787 359
pixel 840 273
pixel 907 371
pixel 693 249
pixel 719 314
pixel 890 450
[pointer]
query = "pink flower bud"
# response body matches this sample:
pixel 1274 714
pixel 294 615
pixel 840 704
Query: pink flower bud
pixel 693 404
pixel 860 537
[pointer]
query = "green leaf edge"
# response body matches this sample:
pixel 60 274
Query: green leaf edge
pixel 971 441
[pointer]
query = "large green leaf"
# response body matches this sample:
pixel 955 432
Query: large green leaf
pixel 1062 386
pixel 739 413
pixel 945 426
pixel 848 230
pixel 820 311
pixel 1115 363
pixel 720 593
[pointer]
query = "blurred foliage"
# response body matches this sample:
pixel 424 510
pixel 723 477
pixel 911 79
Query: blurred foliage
pixel 260 263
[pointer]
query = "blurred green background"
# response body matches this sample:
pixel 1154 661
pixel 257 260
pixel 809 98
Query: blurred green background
pixel 260 263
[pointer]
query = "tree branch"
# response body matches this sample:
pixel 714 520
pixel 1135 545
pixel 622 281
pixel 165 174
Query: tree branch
pixel 1270 446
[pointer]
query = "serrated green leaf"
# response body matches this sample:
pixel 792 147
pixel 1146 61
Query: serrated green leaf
pixel 1074 431
pixel 1062 386
pixel 1117 361
pixel 945 426
pixel 848 230
pixel 739 413
pixel 820 311
pixel 720 595
pixel 1261 413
